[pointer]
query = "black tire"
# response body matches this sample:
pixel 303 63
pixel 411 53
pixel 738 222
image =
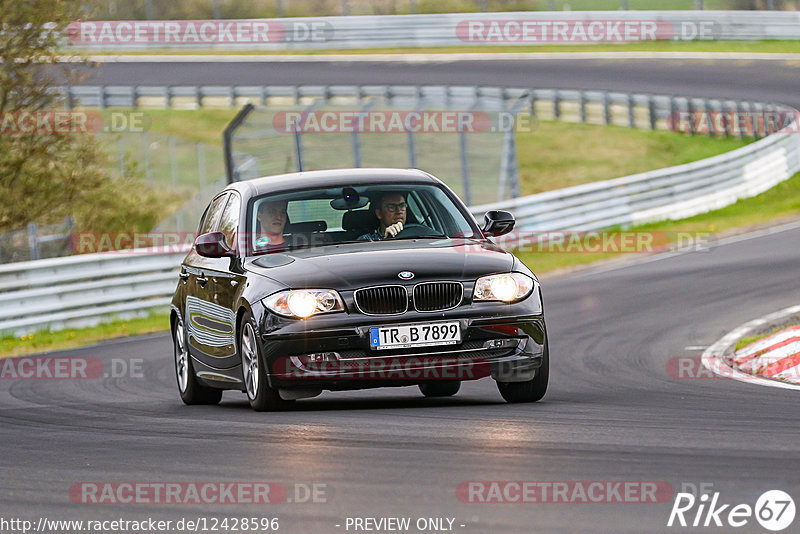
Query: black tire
pixel 440 389
pixel 190 390
pixel 262 397
pixel 530 391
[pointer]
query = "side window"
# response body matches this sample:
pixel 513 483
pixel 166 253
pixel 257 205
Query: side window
pixel 213 212
pixel 230 220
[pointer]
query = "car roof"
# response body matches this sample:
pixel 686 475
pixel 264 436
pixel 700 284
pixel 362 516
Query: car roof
pixel 329 178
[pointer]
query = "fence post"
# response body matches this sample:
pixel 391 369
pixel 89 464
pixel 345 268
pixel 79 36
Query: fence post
pixel 173 163
pixel 33 240
pixel 412 150
pixel 606 108
pixel 505 168
pixel 356 149
pixel 148 171
pixel 121 152
pixel 298 148
pixel 462 139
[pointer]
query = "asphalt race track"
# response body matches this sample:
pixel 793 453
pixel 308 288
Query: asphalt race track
pixel 761 80
pixel 614 411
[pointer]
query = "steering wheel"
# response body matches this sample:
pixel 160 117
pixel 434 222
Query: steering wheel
pixel 416 230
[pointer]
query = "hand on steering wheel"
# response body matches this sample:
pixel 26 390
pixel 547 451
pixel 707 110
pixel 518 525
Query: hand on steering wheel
pixel 393 230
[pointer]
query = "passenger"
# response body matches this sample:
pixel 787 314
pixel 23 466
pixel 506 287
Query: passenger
pixel 273 217
pixel 391 210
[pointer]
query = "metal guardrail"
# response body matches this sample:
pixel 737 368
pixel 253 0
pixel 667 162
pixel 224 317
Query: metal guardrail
pixel 433 30
pixel 633 110
pixel 664 194
pixel 79 290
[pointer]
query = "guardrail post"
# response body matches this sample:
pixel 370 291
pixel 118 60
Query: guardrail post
pixel 232 97
pixel 102 97
pixel 739 114
pixel 168 96
pixel 690 110
pixel 532 102
pixel 280 8
pixel 135 97
pixel 582 106
pixel 726 123
pixel 698 5
pixel 651 109
pixel 631 112
pixel 754 109
pixel 198 96
pixel 33 240
pixel 709 117
pixel 556 104
pixel 606 108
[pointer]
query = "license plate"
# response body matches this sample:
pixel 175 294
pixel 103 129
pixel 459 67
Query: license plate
pixel 415 335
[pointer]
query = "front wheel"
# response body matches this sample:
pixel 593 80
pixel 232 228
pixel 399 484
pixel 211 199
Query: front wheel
pixel 189 388
pixel 530 391
pixel 262 397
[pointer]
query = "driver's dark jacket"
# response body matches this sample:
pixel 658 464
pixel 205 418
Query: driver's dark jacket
pixel 375 235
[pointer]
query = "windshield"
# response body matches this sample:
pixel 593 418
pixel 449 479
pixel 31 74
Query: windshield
pixel 329 216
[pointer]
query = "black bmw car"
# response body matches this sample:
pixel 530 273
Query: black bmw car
pixel 351 279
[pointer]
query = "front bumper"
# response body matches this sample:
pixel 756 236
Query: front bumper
pixel 339 357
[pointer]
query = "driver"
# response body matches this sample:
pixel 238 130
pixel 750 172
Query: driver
pixel 390 209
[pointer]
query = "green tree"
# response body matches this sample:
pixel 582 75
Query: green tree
pixel 47 172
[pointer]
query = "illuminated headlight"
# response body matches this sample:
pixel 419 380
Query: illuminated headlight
pixel 507 287
pixel 303 303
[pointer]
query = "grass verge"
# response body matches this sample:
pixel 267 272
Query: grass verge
pixel 47 341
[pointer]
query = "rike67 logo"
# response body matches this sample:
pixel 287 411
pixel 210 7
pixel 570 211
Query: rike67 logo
pixel 774 510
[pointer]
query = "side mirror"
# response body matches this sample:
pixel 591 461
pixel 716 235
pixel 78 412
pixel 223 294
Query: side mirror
pixel 497 222
pixel 213 245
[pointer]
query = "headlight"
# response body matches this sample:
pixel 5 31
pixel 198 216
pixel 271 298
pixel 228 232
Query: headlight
pixel 507 287
pixel 303 303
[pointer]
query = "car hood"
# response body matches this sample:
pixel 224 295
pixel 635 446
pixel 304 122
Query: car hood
pixel 354 265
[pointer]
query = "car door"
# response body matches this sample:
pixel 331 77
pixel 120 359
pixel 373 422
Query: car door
pixel 209 323
pixel 225 282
